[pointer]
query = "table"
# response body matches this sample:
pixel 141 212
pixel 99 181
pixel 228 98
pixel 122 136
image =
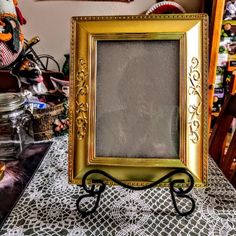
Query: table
pixel 47 207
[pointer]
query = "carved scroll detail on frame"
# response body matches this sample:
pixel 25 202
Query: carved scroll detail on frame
pixel 194 91
pixel 81 93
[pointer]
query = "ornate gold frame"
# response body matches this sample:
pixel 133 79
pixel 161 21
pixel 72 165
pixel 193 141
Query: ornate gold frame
pixel 191 30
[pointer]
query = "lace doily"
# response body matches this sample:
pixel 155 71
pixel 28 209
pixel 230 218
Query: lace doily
pixel 47 207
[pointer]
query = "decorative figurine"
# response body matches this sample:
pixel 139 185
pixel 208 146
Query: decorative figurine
pixel 11 37
pixel 29 75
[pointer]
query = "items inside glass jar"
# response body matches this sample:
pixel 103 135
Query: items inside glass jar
pixel 15 126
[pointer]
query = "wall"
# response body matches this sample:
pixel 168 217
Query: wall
pixel 51 19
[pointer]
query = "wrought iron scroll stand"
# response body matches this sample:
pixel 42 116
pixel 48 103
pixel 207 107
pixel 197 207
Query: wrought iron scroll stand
pixel 94 191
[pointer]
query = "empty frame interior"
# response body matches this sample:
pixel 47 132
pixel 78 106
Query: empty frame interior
pixel 137 99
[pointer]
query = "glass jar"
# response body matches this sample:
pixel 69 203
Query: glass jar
pixel 15 125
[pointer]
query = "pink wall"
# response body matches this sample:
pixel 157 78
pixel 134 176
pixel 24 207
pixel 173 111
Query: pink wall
pixel 51 19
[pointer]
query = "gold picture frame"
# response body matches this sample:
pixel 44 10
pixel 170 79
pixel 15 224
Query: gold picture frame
pixel 89 39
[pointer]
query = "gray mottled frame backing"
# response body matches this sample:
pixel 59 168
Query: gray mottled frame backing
pixel 137 99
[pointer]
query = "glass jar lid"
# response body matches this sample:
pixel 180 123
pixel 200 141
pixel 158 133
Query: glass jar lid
pixel 11 101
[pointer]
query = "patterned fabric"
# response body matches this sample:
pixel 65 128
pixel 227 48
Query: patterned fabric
pixel 14 43
pixel 6 55
pixel 47 207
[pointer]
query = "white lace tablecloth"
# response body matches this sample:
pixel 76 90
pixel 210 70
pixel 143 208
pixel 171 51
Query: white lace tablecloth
pixel 47 207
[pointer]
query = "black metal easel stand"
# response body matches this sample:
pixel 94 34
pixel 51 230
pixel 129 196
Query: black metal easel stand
pixel 174 191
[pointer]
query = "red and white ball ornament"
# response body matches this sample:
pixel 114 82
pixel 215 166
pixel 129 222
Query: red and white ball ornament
pixel 165 7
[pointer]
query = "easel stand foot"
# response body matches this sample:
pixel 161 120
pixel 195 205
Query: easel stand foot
pixel 175 192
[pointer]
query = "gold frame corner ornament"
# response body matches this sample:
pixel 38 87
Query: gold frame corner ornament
pixel 194 108
pixel 191 32
pixel 82 105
